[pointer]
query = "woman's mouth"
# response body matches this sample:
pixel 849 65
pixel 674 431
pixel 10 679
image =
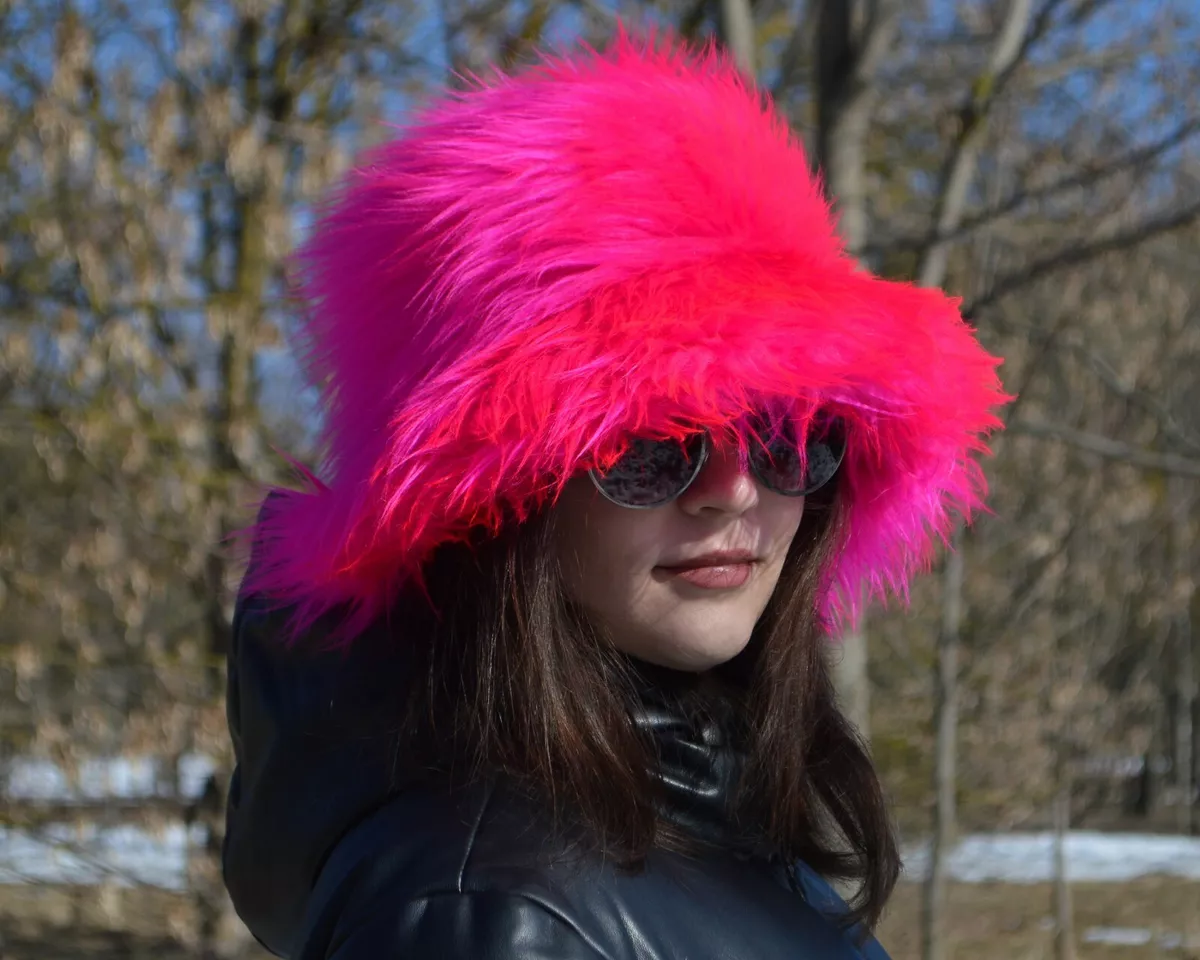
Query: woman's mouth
pixel 715 578
pixel 716 573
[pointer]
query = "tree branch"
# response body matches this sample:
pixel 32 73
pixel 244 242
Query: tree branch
pixel 1011 46
pixel 1109 449
pixel 1087 178
pixel 1057 338
pixel 1073 256
pixel 1139 398
pixel 853 37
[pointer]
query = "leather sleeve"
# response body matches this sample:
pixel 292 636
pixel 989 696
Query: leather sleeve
pixel 819 893
pixel 485 925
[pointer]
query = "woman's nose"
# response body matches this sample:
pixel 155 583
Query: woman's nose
pixel 721 485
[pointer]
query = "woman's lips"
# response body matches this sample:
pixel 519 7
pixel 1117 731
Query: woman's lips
pixel 722 576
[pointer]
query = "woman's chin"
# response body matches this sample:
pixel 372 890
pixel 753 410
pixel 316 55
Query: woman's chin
pixel 694 651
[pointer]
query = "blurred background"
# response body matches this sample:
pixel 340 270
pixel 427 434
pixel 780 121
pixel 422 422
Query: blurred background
pixel 1034 712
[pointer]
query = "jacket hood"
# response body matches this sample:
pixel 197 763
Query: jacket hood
pixel 313 731
pixel 607 244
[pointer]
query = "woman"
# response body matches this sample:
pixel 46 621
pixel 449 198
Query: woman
pixel 617 433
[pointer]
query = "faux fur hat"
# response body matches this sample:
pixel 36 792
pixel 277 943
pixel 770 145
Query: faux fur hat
pixel 605 245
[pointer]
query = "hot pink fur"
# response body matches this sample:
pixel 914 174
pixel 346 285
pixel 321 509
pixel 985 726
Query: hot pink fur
pixel 604 245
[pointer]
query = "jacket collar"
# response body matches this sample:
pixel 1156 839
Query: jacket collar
pixel 700 756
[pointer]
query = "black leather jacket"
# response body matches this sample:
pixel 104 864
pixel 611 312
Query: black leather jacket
pixel 327 859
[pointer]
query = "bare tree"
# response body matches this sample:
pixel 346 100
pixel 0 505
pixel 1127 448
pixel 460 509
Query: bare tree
pixel 737 28
pixel 1183 702
pixel 949 212
pixel 853 39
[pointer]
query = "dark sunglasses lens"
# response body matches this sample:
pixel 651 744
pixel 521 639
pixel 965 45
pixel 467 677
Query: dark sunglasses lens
pixel 652 472
pixel 776 461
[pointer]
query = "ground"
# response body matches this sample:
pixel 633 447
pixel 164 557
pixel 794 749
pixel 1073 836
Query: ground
pixel 989 922
pixel 1011 922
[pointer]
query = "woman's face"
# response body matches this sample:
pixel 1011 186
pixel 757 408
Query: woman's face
pixel 621 565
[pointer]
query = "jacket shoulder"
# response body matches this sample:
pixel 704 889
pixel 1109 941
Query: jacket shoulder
pixel 455 925
pixel 440 875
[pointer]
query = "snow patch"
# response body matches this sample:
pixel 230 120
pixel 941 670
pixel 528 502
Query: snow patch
pixel 1091 857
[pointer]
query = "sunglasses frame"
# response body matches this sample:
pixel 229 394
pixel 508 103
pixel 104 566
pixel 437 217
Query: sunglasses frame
pixel 701 460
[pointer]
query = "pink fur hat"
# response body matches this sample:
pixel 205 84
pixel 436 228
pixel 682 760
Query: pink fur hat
pixel 607 244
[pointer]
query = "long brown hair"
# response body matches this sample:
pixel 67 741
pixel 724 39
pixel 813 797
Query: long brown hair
pixel 515 680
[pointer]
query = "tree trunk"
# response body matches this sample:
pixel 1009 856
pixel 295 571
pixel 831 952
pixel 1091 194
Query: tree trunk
pixel 960 170
pixel 852 39
pixel 1183 734
pixel 933 928
pixel 850 677
pixel 737 29
pixel 962 160
pixel 1064 915
pixel 1185 712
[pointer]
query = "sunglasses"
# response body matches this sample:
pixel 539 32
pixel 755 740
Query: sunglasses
pixel 651 473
